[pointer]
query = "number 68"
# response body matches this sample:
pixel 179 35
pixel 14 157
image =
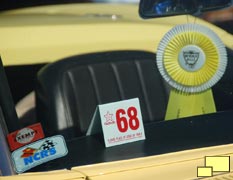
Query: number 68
pixel 123 123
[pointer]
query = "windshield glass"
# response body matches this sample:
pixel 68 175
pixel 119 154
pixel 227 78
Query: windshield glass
pixel 180 68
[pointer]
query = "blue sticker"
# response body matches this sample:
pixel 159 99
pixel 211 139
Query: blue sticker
pixel 39 152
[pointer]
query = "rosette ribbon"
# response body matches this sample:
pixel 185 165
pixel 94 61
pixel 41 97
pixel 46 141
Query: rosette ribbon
pixel 191 58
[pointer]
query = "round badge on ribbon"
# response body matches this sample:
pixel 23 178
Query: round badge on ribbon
pixel 191 58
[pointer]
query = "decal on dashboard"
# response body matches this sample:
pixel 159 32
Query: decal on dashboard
pixel 25 136
pixel 39 152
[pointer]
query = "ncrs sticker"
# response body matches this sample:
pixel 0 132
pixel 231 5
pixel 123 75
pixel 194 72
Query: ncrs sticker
pixel 39 152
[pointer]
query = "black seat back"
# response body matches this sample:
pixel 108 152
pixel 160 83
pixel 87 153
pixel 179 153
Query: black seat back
pixel 69 90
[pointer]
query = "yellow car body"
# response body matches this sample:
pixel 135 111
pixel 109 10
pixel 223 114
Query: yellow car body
pixel 177 166
pixel 46 34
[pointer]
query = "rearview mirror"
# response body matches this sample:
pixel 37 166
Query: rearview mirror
pixel 161 8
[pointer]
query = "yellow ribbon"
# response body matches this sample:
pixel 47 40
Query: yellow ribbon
pixel 184 105
pixel 191 58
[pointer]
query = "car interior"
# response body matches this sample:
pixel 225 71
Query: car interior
pixel 61 103
pixel 68 91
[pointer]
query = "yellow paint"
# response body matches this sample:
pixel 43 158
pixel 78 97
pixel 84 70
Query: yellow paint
pixel 185 105
pixel 219 163
pixel 175 166
pixel 204 172
pixel 49 33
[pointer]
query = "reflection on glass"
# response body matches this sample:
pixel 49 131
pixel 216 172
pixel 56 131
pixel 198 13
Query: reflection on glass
pixel 163 7
pixel 173 6
pixel 153 8
pixel 213 4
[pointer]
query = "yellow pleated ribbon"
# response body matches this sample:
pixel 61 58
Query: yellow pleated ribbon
pixel 184 105
pixel 191 93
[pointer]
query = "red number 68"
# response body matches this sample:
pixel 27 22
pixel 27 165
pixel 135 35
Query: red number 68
pixel 123 123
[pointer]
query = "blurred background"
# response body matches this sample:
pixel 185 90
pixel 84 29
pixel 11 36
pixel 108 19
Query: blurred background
pixel 222 18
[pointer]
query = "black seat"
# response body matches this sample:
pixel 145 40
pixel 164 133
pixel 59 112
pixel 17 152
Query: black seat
pixel 69 90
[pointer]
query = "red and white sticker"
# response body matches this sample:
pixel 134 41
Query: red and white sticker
pixel 25 136
pixel 121 122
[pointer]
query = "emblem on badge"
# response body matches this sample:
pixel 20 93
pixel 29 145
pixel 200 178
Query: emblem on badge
pixel 191 58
